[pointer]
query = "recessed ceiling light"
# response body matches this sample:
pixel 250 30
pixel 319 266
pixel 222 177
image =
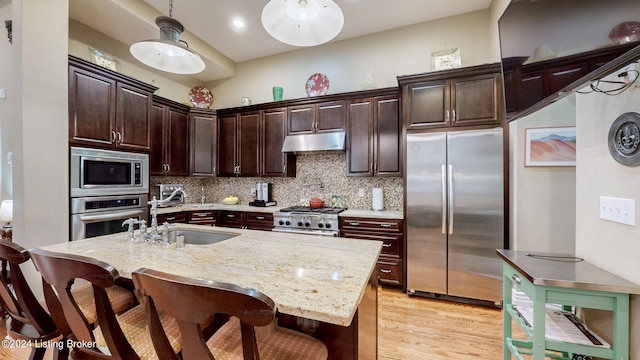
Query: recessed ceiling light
pixel 239 23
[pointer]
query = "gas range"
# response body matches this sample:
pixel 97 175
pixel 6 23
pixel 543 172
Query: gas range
pixel 307 220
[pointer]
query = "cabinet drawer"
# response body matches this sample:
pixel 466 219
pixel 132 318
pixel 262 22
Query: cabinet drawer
pixel 390 271
pixel 260 217
pixel 203 217
pixel 232 218
pixel 391 225
pixel 390 242
pixel 179 217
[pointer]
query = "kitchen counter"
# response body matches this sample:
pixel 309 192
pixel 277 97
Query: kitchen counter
pixel 215 206
pixel 385 214
pixel 319 280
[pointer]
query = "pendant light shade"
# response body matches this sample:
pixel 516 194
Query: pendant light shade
pixel 302 22
pixel 168 53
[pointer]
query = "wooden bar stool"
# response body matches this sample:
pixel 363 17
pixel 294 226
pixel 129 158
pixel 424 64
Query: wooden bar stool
pixel 123 336
pixel 250 334
pixel 28 320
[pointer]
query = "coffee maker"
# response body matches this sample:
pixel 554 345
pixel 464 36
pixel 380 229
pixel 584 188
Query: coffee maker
pixel 264 195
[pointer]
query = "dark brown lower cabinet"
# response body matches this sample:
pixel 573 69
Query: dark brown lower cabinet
pixel 205 217
pixel 177 217
pixel 246 220
pixel 259 221
pixel 390 263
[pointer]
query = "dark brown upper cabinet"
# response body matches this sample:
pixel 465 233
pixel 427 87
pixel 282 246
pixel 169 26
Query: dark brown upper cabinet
pixel 239 144
pixel 374 136
pixel 169 128
pixel 274 130
pixel 107 109
pixel 317 118
pixel 250 144
pixel 203 142
pixel 460 97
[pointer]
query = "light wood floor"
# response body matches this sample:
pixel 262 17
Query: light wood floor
pixel 414 328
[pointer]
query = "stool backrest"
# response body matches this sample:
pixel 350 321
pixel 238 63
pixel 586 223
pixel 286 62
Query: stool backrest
pixel 193 303
pixel 59 271
pixel 20 303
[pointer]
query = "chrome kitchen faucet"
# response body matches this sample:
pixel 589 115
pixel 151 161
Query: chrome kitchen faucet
pixel 154 212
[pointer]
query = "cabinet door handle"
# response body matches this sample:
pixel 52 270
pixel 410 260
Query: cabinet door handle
pixel 446 118
pixel 386 245
pixel 386 271
pixel 171 218
pixel 113 136
pixel 119 137
pixel 385 225
pixel 168 167
pixel 354 223
pixel 260 217
pixel 230 216
pixel 516 278
pixel 453 115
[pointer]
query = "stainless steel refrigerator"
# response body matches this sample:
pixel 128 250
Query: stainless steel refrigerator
pixel 455 212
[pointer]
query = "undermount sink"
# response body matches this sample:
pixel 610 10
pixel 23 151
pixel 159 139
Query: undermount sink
pixel 207 205
pixel 204 237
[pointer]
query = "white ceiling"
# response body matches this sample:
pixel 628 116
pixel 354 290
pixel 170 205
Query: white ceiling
pixel 210 33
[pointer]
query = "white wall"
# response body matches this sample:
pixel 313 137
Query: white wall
pixel 346 63
pixel 611 246
pixel 543 199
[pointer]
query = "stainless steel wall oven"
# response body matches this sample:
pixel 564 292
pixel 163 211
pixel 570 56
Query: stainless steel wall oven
pixel 106 187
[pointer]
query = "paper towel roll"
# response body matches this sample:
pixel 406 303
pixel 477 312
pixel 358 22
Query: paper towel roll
pixel 378 199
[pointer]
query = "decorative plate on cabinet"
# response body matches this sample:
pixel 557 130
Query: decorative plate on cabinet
pixel 625 32
pixel 200 97
pixel 317 84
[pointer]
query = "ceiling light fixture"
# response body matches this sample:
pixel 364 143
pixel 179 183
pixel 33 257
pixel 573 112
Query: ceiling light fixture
pixel 168 53
pixel 302 22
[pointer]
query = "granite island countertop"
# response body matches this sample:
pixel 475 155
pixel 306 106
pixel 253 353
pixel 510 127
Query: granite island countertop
pixel 319 278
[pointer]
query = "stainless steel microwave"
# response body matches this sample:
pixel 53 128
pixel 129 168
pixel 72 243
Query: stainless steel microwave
pixel 95 172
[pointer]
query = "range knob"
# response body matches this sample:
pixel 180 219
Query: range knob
pixel 307 223
pixel 281 222
pixel 328 225
pixel 287 222
pixel 300 223
pixel 320 225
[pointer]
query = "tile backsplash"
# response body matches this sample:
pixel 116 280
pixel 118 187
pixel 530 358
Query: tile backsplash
pixel 321 175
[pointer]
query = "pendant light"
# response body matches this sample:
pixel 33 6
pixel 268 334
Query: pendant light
pixel 168 53
pixel 302 22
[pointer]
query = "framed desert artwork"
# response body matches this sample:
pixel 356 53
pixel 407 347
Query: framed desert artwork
pixel 551 146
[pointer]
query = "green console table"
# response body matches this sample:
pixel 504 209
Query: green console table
pixel 556 279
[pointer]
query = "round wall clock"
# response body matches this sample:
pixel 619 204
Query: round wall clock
pixel 624 139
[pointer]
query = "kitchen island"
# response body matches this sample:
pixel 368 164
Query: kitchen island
pixel 322 282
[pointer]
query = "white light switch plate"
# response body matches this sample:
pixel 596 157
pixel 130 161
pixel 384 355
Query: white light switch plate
pixel 618 210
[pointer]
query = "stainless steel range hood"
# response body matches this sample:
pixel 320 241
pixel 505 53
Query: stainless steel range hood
pixel 314 142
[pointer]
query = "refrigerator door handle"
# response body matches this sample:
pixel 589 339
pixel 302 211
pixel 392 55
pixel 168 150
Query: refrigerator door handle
pixel 450 188
pixel 443 172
